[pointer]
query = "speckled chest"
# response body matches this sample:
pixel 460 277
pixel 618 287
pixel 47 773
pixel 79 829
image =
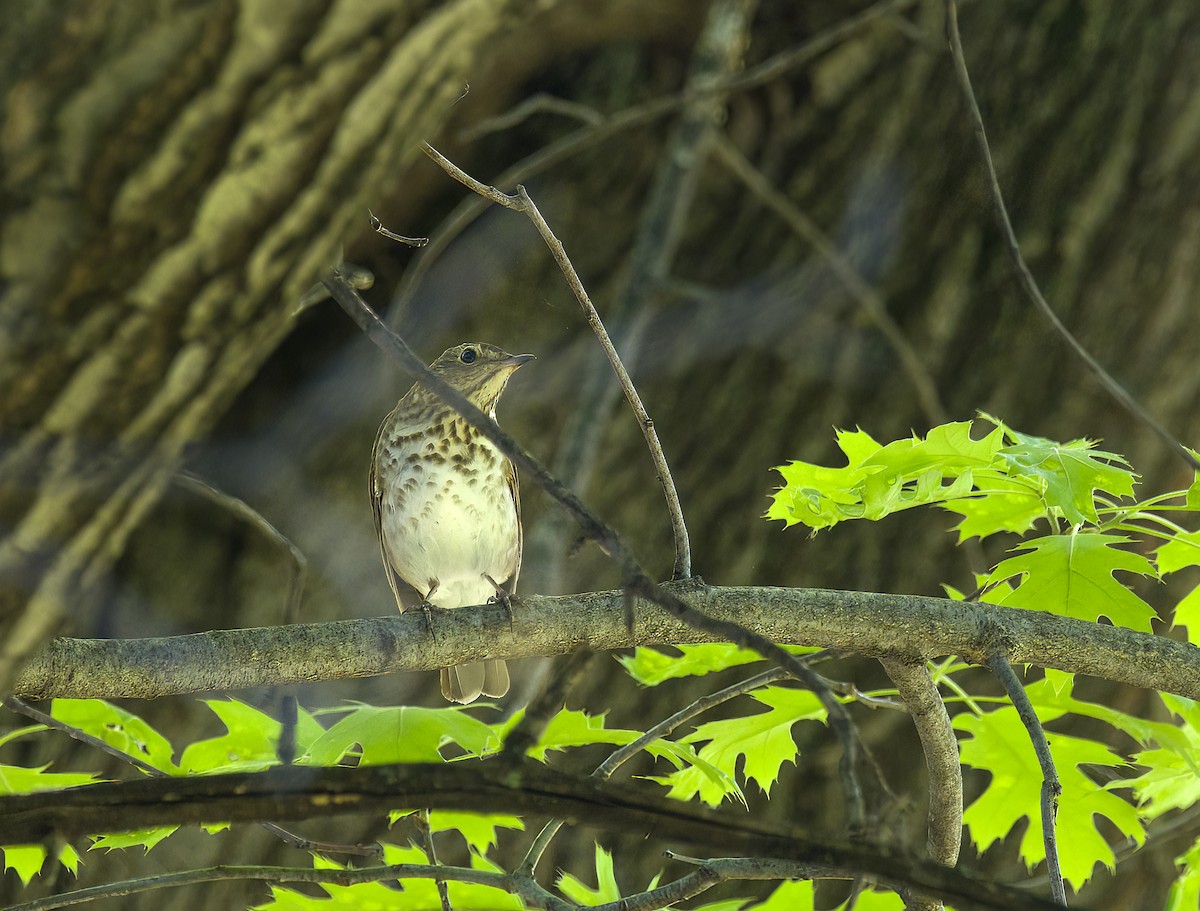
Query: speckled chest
pixel 447 509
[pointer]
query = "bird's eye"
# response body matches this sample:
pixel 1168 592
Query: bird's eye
pixel 468 356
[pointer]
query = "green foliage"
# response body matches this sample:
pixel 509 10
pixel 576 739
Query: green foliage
pixel 650 667
pixel 1091 546
pixel 760 742
pixel 999 745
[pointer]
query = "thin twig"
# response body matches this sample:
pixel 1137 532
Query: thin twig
pixel 928 711
pixel 541 103
pixel 21 707
pixel 1024 275
pixel 285 749
pixel 716 55
pixel 378 227
pixel 540 710
pixel 868 298
pixel 632 118
pixel 679 532
pixel 348 877
pixel 425 832
pixel 634 578
pixel 1051 787
pixel 664 728
pixel 524 204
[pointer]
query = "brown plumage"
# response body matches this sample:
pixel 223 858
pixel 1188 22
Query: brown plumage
pixel 447 505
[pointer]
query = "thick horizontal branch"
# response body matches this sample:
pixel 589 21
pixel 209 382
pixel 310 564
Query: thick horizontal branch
pixel 296 792
pixel 879 625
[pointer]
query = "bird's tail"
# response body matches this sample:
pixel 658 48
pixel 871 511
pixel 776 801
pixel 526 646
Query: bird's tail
pixel 467 682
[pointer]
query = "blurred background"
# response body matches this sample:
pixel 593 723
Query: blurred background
pixel 779 209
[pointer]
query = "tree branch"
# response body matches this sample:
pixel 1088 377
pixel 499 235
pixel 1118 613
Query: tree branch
pixel 528 787
pixel 881 625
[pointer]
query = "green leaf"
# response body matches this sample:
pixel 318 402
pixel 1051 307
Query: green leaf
pixel 880 480
pixel 16 779
pixel 1070 473
pixel 25 860
pixel 479 829
pixel 145 838
pixel 762 743
pixel 417 894
pixel 250 740
pixel 1185 891
pixel 606 889
pixel 118 728
pixel 999 744
pixel 571 728
pixel 650 667
pixel 1187 613
pixel 1193 492
pixel 1003 505
pixel 69 858
pixel 870 900
pixel 1072 575
pixel 790 896
pixel 390 734
pixel 1171 780
pixel 1181 551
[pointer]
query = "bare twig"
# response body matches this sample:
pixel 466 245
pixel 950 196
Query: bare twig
pixel 867 623
pixel 524 204
pixel 421 821
pixel 1051 787
pixel 868 298
pixel 541 103
pixel 636 582
pixel 664 728
pixel 286 747
pixel 479 786
pixel 378 227
pixel 632 118
pixel 1024 275
pixel 348 877
pixel 540 710
pixel 708 874
pixel 21 707
pixel 717 54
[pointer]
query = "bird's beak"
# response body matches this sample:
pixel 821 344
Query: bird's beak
pixel 519 360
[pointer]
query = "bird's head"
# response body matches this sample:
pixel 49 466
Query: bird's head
pixel 479 371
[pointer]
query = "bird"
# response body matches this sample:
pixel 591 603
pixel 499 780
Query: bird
pixel 447 504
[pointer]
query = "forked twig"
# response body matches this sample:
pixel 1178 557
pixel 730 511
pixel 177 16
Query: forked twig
pixel 521 202
pixel 1025 277
pixel 868 298
pixel 286 748
pixel 639 116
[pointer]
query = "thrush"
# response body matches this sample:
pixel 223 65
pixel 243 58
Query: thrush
pixel 447 506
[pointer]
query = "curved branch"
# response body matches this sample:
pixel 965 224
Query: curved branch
pixel 291 792
pixel 879 625
pixel 932 722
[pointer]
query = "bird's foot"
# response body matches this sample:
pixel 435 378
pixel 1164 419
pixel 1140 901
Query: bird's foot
pixel 502 596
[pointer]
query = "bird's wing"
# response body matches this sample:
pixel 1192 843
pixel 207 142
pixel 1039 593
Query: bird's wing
pixel 514 488
pixel 407 597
